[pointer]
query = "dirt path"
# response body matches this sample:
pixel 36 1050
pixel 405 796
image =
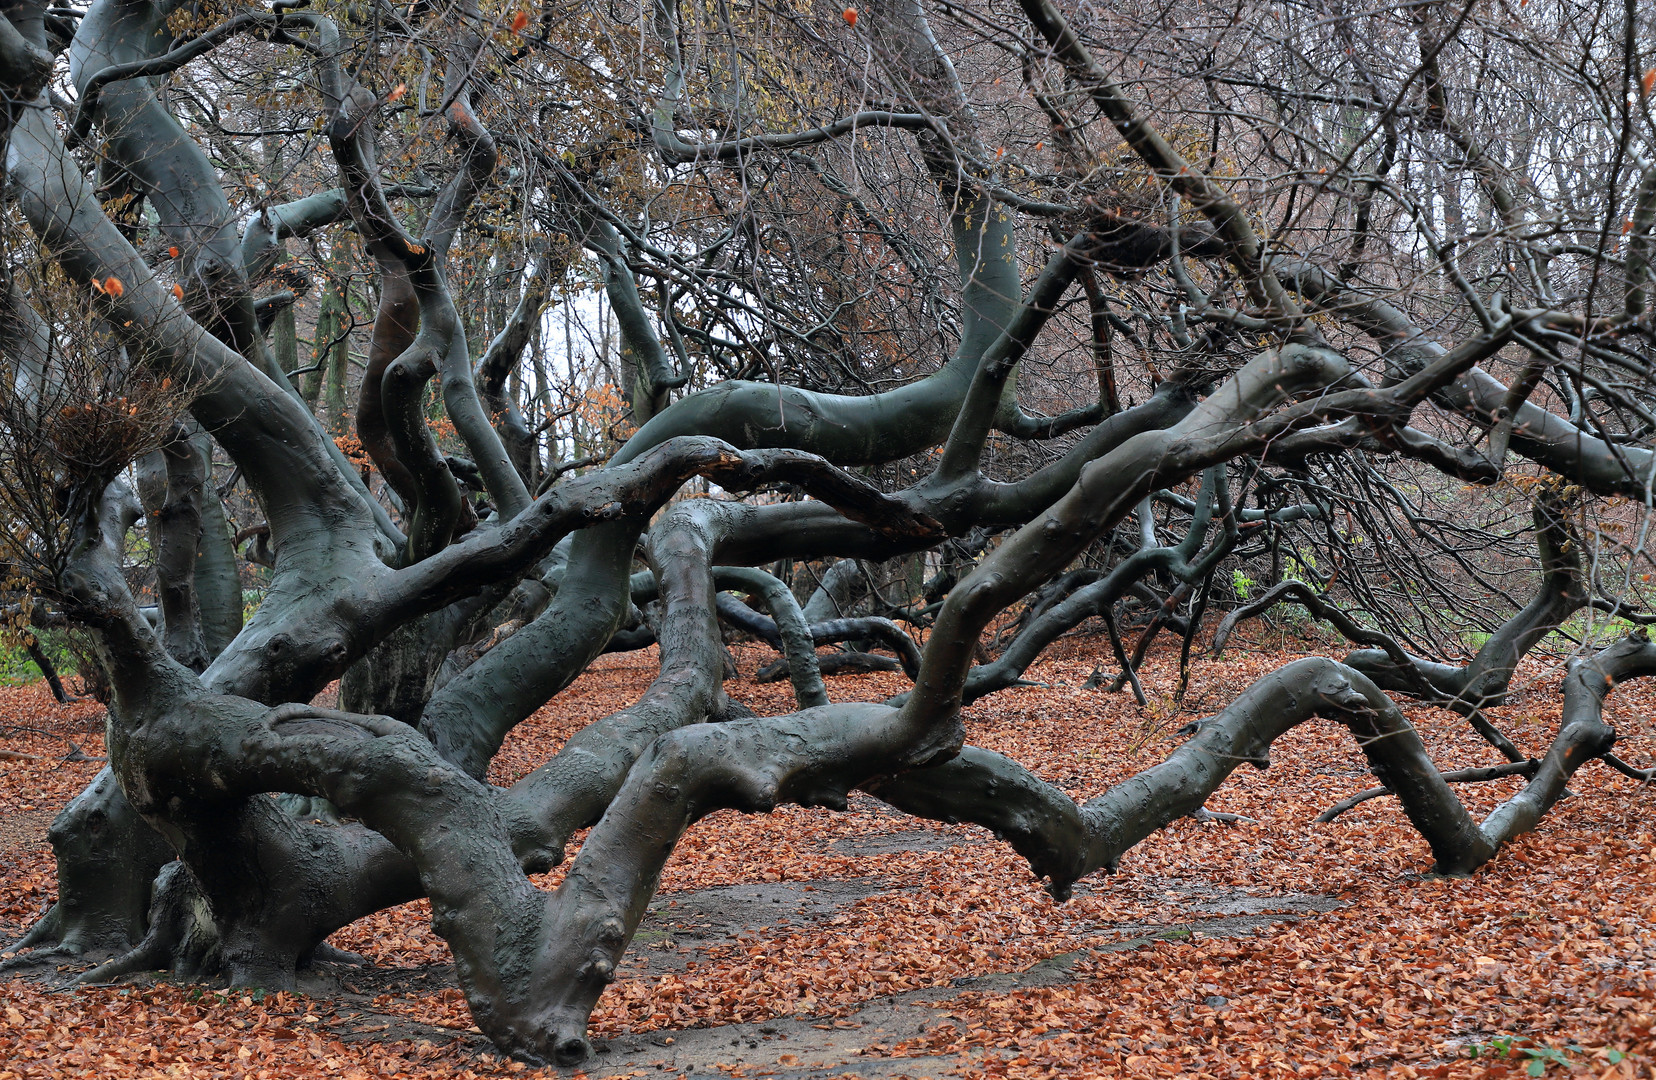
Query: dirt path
pixel 683 929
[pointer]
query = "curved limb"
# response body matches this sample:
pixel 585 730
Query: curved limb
pixel 414 327
pixel 834 663
pixel 812 758
pixel 515 678
pixel 1387 661
pixel 871 628
pixel 643 358
pixel 1185 561
pixel 228 914
pixel 438 345
pixel 1643 776
pixel 840 586
pixel 895 423
pixel 194 214
pixel 1463 463
pixel 1542 436
pixel 788 628
pixel 316 517
pixel 505 486
pixel 25 61
pixel 434 501
pixel 396 322
pixel 106 855
pixel 1582 735
pixel 816 756
pixel 1226 423
pixel 829 632
pixel 990 385
pixel 497 362
pixel 1064 841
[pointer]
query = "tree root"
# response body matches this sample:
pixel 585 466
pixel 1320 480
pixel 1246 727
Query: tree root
pixel 107 860
pixel 182 937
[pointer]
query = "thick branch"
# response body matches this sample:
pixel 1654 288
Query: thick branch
pixel 1064 842
pixel 1542 436
pixel 791 636
pixel 170 483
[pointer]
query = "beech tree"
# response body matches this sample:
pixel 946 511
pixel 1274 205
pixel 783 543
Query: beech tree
pixel 1139 313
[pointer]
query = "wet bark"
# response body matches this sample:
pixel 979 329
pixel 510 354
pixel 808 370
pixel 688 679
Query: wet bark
pixel 1542 436
pixel 865 628
pixel 1064 841
pixel 107 859
pixel 170 484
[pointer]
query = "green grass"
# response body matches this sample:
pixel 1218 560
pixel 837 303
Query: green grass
pixel 16 669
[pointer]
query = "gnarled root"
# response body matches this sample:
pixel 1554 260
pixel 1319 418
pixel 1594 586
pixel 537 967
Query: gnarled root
pixel 182 937
pixel 107 859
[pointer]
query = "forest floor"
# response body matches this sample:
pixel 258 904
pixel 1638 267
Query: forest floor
pixel 812 944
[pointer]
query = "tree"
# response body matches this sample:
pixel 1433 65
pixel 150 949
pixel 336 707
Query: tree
pixel 1338 267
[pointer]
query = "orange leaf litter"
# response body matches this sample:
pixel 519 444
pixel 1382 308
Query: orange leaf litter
pixel 1553 942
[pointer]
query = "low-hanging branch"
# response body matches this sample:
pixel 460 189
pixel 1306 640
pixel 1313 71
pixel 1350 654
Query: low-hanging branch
pixel 828 632
pixel 1457 776
pixel 1064 841
pixel 1188 561
pixel 1484 682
